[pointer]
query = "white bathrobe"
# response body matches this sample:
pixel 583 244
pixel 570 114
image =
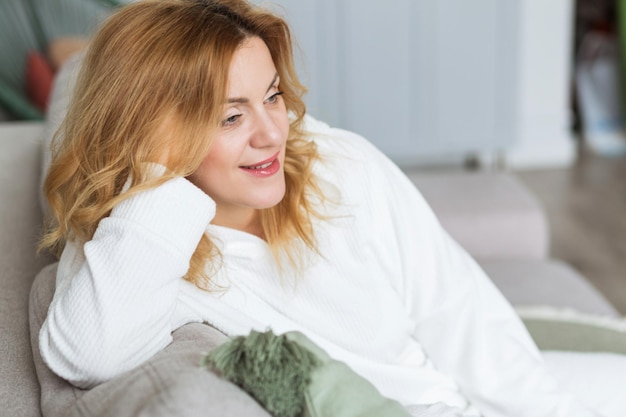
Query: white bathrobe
pixel 391 294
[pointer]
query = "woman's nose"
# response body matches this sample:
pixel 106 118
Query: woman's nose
pixel 268 131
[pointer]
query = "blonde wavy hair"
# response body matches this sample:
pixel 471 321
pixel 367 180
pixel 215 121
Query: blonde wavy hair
pixel 169 60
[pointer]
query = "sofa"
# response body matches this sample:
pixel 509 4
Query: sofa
pixel 491 214
pixel 503 226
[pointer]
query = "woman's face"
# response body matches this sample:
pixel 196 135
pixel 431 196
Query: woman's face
pixel 243 171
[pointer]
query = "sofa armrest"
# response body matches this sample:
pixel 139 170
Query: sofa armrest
pixel 20 228
pixel 547 283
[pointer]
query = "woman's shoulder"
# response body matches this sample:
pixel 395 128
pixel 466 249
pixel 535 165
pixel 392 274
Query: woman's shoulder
pixel 348 163
pixel 339 144
pixel 353 164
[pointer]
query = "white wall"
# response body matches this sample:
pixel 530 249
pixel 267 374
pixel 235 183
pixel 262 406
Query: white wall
pixel 544 137
pixel 436 80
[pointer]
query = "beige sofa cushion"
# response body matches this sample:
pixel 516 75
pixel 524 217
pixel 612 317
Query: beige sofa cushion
pixel 491 214
pixel 547 283
pixel 172 383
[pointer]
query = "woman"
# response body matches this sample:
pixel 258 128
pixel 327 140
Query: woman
pixel 189 186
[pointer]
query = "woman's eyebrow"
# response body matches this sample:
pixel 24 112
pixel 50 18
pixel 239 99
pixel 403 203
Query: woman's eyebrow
pixel 243 100
pixel 269 87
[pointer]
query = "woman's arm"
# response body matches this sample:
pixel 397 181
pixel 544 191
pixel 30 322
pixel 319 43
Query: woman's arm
pixel 116 294
pixel 475 336
pixel 471 332
pixel 467 328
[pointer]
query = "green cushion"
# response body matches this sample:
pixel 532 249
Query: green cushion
pixel 336 390
pixel 567 330
pixel 292 377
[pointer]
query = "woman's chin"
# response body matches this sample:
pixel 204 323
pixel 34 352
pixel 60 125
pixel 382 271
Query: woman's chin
pixel 270 201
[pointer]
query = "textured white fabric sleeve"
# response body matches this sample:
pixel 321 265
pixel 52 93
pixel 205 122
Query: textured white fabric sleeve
pixel 465 325
pixel 433 410
pixel 115 296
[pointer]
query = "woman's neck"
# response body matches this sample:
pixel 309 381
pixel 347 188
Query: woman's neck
pixel 243 219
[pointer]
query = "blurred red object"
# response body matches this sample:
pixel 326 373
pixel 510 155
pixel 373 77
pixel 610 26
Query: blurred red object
pixel 39 78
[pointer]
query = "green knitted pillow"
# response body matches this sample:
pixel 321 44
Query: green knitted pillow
pixel 291 377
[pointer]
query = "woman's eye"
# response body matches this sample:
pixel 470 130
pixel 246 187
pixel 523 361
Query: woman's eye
pixel 274 98
pixel 229 121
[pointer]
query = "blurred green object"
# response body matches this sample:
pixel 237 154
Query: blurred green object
pixel 30 25
pixel 621 26
pixel 18 104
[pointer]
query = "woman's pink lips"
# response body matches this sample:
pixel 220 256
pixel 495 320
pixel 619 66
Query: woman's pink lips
pixel 270 159
pixel 271 169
